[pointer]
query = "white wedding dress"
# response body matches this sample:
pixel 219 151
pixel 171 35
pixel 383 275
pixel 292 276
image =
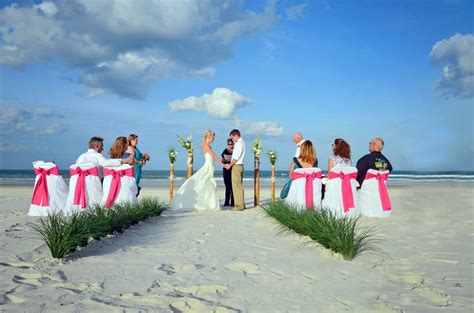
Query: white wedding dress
pixel 199 192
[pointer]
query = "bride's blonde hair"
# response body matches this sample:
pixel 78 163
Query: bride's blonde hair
pixel 208 133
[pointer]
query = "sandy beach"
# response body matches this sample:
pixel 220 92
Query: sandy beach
pixel 241 262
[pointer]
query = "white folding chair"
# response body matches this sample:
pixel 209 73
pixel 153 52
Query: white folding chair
pixel 373 195
pixel 297 193
pixel 85 188
pixel 339 200
pixel 50 191
pixel 119 185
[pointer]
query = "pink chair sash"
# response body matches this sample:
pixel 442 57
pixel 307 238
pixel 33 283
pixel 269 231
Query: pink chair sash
pixel 384 198
pixel 116 183
pixel 40 193
pixel 347 195
pixel 80 191
pixel 310 177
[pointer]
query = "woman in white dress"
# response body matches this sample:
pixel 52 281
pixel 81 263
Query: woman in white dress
pixel 199 192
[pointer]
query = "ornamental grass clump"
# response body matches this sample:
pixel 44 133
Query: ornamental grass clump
pixel 63 234
pixel 341 235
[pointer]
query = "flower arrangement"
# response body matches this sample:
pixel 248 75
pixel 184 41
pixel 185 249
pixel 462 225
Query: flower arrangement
pixel 186 143
pixel 145 157
pixel 272 156
pixel 257 146
pixel 172 155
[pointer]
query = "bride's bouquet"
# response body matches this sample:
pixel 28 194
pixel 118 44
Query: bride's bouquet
pixel 145 157
pixel 186 144
pixel 257 146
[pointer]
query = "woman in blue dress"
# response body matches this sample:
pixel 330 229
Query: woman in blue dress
pixel 133 150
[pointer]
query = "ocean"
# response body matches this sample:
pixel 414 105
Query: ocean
pixel 161 178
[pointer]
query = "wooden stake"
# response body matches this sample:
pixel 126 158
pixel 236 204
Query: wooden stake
pixel 190 164
pixel 256 181
pixel 171 181
pixel 273 183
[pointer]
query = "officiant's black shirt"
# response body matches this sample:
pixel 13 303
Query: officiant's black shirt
pixel 374 161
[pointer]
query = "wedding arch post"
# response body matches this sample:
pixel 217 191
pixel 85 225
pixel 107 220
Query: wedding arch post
pixel 190 164
pixel 172 156
pixel 272 156
pixel 188 145
pixel 257 148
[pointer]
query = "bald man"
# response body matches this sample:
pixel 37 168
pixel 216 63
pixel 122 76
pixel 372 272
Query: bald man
pixel 298 140
pixel 374 160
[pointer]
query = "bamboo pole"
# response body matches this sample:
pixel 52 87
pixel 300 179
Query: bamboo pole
pixel 273 183
pixel 256 181
pixel 190 164
pixel 171 181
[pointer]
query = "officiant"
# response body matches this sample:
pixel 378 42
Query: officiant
pixel 227 173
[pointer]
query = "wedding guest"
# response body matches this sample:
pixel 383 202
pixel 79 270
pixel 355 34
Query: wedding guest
pixel 341 154
pixel 237 164
pixel 137 154
pixel 307 157
pixel 227 173
pixel 94 156
pixel 298 140
pixel 118 148
pixel 374 160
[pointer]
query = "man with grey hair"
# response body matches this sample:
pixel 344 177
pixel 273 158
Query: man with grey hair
pixel 374 160
pixel 298 140
pixel 94 156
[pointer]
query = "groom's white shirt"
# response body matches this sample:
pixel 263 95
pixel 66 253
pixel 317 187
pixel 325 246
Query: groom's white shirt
pixel 239 151
pixel 96 158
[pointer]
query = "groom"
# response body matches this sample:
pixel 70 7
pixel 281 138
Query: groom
pixel 237 165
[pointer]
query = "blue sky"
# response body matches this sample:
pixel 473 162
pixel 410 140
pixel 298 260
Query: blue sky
pixel 400 70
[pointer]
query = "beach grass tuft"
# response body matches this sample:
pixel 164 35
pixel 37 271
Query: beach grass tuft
pixel 63 234
pixel 341 235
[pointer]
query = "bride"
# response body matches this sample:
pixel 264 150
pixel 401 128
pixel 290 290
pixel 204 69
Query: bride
pixel 199 192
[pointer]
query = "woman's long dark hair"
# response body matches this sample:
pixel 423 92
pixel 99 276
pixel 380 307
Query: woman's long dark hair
pixel 343 149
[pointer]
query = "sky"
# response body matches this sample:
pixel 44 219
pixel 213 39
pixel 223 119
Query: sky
pixel 399 70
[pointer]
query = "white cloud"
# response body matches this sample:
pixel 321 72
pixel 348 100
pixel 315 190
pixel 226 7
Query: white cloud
pixel 295 12
pixel 221 103
pixel 124 47
pixel 457 53
pixel 39 120
pixel 12 147
pixel 268 128
pixel 51 129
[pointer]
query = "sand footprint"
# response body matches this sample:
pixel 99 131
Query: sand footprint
pixel 189 305
pixel 167 268
pixel 386 306
pixel 201 290
pixel 20 265
pixel 434 296
pixel 245 267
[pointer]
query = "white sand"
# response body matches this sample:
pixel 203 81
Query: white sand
pixel 239 262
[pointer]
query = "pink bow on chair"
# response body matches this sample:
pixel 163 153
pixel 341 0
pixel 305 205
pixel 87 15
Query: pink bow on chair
pixel 347 196
pixel 40 193
pixel 116 183
pixel 80 192
pixel 384 198
pixel 310 177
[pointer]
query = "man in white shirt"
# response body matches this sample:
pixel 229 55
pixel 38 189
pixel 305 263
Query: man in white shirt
pixel 298 140
pixel 237 165
pixel 94 156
